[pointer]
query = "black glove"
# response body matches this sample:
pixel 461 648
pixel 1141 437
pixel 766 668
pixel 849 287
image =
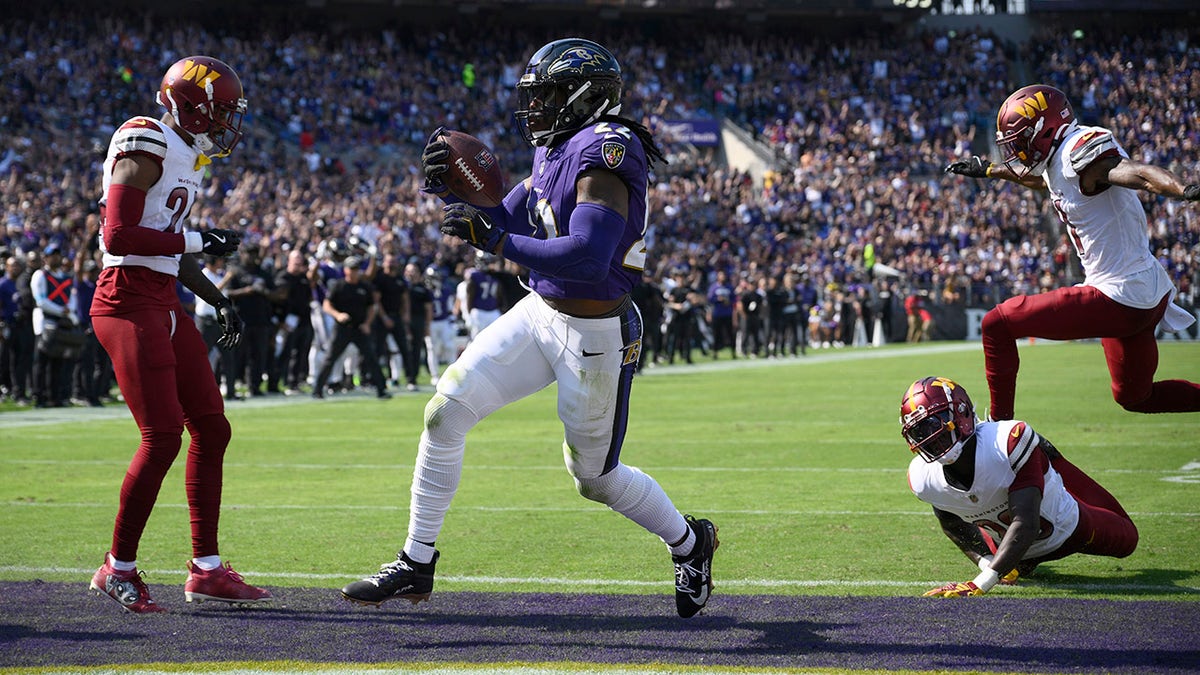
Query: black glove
pixel 220 242
pixel 231 326
pixel 433 162
pixel 472 226
pixel 975 167
pixel 1191 193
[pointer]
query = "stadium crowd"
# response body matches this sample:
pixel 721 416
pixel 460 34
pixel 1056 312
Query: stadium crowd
pixel 856 218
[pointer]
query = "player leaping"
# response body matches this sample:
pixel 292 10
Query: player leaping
pixel 1126 292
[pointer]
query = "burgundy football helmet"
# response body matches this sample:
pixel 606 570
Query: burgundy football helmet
pixel 205 97
pixel 1030 125
pixel 936 418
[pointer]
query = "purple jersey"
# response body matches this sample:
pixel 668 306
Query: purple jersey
pixel 486 290
pixel 443 301
pixel 327 274
pixel 605 145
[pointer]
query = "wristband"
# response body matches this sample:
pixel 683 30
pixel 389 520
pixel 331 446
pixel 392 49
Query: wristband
pixel 987 173
pixel 193 242
pixel 987 580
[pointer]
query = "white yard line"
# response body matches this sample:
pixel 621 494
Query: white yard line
pixel 728 584
pixel 1189 468
pixel 528 509
pixel 59 416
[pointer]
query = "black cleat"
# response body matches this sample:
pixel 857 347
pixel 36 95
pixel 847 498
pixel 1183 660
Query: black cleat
pixel 693 572
pixel 401 578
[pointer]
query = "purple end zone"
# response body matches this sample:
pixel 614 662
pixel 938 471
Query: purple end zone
pixel 56 624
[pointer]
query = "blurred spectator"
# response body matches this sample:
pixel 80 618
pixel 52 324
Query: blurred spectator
pixel 648 297
pixel 391 330
pixel 352 302
pixel 485 295
pixel 721 299
pixel 291 297
pixel 678 317
pixel 250 290
pixel 55 323
pixel 423 294
pixel 10 305
pixel 91 375
pixel 441 346
pixel 223 362
pixel 750 318
pixel 913 304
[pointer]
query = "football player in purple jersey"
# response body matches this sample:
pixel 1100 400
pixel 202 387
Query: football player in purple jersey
pixel 440 343
pixel 485 296
pixel 577 222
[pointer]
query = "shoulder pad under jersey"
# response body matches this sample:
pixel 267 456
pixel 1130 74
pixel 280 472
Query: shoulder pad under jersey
pixel 1091 146
pixel 611 146
pixel 1020 442
pixel 141 134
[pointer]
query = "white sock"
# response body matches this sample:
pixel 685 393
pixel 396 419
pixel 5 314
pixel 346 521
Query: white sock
pixel 418 552
pixel 208 562
pixel 638 497
pixel 439 467
pixel 121 565
pixel 685 547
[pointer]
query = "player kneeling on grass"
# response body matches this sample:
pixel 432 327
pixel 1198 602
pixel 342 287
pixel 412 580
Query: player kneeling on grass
pixel 1002 482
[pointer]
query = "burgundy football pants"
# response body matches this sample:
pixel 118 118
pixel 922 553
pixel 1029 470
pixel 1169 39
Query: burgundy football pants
pixel 1104 526
pixel 161 365
pixel 1127 335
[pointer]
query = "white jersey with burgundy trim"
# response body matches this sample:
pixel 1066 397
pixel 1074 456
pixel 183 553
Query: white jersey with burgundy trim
pixel 1001 449
pixel 1108 228
pixel 168 201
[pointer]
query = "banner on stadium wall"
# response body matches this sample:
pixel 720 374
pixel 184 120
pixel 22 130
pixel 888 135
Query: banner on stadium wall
pixel 696 132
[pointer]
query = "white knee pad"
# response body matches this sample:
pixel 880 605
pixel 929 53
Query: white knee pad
pixel 447 421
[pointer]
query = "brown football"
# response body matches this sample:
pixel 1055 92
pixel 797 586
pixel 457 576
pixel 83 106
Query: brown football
pixel 473 174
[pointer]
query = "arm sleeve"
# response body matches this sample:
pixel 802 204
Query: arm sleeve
pixel 1032 472
pixel 511 215
pixel 583 255
pixel 121 233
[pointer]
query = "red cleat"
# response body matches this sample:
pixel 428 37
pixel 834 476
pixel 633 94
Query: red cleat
pixel 126 588
pixel 221 584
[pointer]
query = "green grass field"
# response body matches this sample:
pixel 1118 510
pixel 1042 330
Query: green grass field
pixel 799 462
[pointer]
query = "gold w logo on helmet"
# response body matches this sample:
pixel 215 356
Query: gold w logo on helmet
pixel 945 382
pixel 199 73
pixel 1031 106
